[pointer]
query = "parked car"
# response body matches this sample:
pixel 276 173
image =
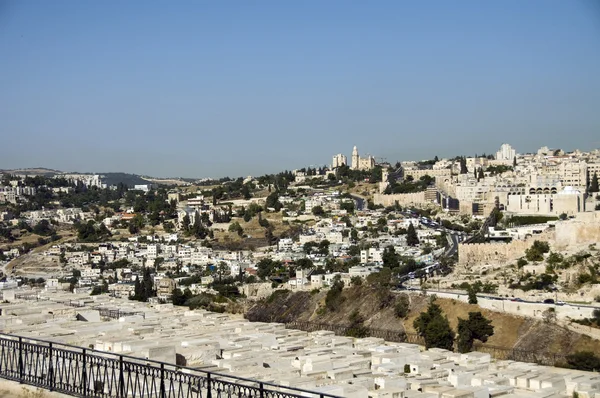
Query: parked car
pixel 549 301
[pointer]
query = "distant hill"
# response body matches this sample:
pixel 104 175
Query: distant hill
pixel 37 171
pixel 128 179
pixel 108 178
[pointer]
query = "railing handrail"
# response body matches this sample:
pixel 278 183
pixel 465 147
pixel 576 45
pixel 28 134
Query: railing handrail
pixel 420 341
pixel 150 362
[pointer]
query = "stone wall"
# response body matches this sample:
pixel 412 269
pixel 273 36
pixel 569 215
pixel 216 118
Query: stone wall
pixel 403 199
pixel 585 229
pixel 257 291
pixel 533 310
pixel 470 254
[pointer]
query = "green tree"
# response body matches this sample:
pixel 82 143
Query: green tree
pixel 324 247
pixel 434 327
pixel 357 327
pixel 411 236
pixel 477 327
pixel 334 297
pixel 402 306
pixel 347 205
pixel 472 293
pixel 304 263
pixel 318 211
pixel 390 257
pixel 133 228
pixel 584 360
pixel 185 223
pixel 594 183
pixel 537 250
pixel 177 297
pixel 266 267
pixel 43 228
pixel 158 261
pixel 463 165
pixel 273 202
pixel 246 192
pixel 168 226
pixel 236 227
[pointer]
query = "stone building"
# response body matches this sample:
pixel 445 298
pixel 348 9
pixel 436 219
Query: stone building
pixel 359 163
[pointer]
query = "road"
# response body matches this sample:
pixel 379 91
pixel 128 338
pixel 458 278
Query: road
pixel 492 297
pixel 453 240
pixel 359 200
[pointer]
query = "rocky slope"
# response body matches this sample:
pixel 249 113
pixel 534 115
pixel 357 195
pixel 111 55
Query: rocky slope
pixel 511 332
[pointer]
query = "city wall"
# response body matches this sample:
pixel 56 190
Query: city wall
pixel 403 199
pixel 470 254
pixel 583 230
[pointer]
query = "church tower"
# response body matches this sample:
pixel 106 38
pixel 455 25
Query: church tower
pixel 355 159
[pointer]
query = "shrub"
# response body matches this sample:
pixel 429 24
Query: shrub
pixel 356 281
pixel 402 306
pixel 357 327
pixel 521 262
pixel 334 296
pixel 583 360
pixel 537 250
pixel 434 327
pixel 476 327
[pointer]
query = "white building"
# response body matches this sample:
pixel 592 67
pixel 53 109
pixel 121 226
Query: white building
pixel 285 244
pixel 359 163
pixel 339 160
pixel 372 255
pixel 506 153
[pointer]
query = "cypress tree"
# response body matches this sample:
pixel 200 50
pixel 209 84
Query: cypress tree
pixel 411 236
pixel 434 327
pixel 594 183
pixel 138 289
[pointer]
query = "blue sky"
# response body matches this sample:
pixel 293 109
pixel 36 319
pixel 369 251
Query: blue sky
pixel 216 88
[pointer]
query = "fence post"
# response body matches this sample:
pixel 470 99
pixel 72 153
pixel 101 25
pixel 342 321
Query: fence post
pixel 121 378
pixel 21 367
pixel 162 380
pixel 208 386
pixel 84 373
pixel 262 390
pixel 50 368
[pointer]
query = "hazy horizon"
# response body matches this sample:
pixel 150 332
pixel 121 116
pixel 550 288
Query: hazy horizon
pixel 214 89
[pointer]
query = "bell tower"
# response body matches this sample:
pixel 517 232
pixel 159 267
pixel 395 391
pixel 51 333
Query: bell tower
pixel 355 159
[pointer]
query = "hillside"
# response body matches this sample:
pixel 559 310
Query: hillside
pixel 37 171
pixel 511 332
pixel 128 179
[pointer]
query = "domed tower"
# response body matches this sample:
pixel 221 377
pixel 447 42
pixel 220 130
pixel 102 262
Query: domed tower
pixel 355 159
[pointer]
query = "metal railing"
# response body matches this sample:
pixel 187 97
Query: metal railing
pixel 84 372
pixel 117 313
pixel 345 330
pixel 496 352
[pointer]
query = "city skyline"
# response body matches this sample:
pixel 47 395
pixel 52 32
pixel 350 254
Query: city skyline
pixel 214 90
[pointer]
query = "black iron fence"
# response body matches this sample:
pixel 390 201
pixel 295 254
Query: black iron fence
pixel 83 372
pixel 514 354
pixel 495 352
pixel 30 296
pixel 345 330
pixel 116 313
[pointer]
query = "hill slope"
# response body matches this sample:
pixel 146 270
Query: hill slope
pixel 511 332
